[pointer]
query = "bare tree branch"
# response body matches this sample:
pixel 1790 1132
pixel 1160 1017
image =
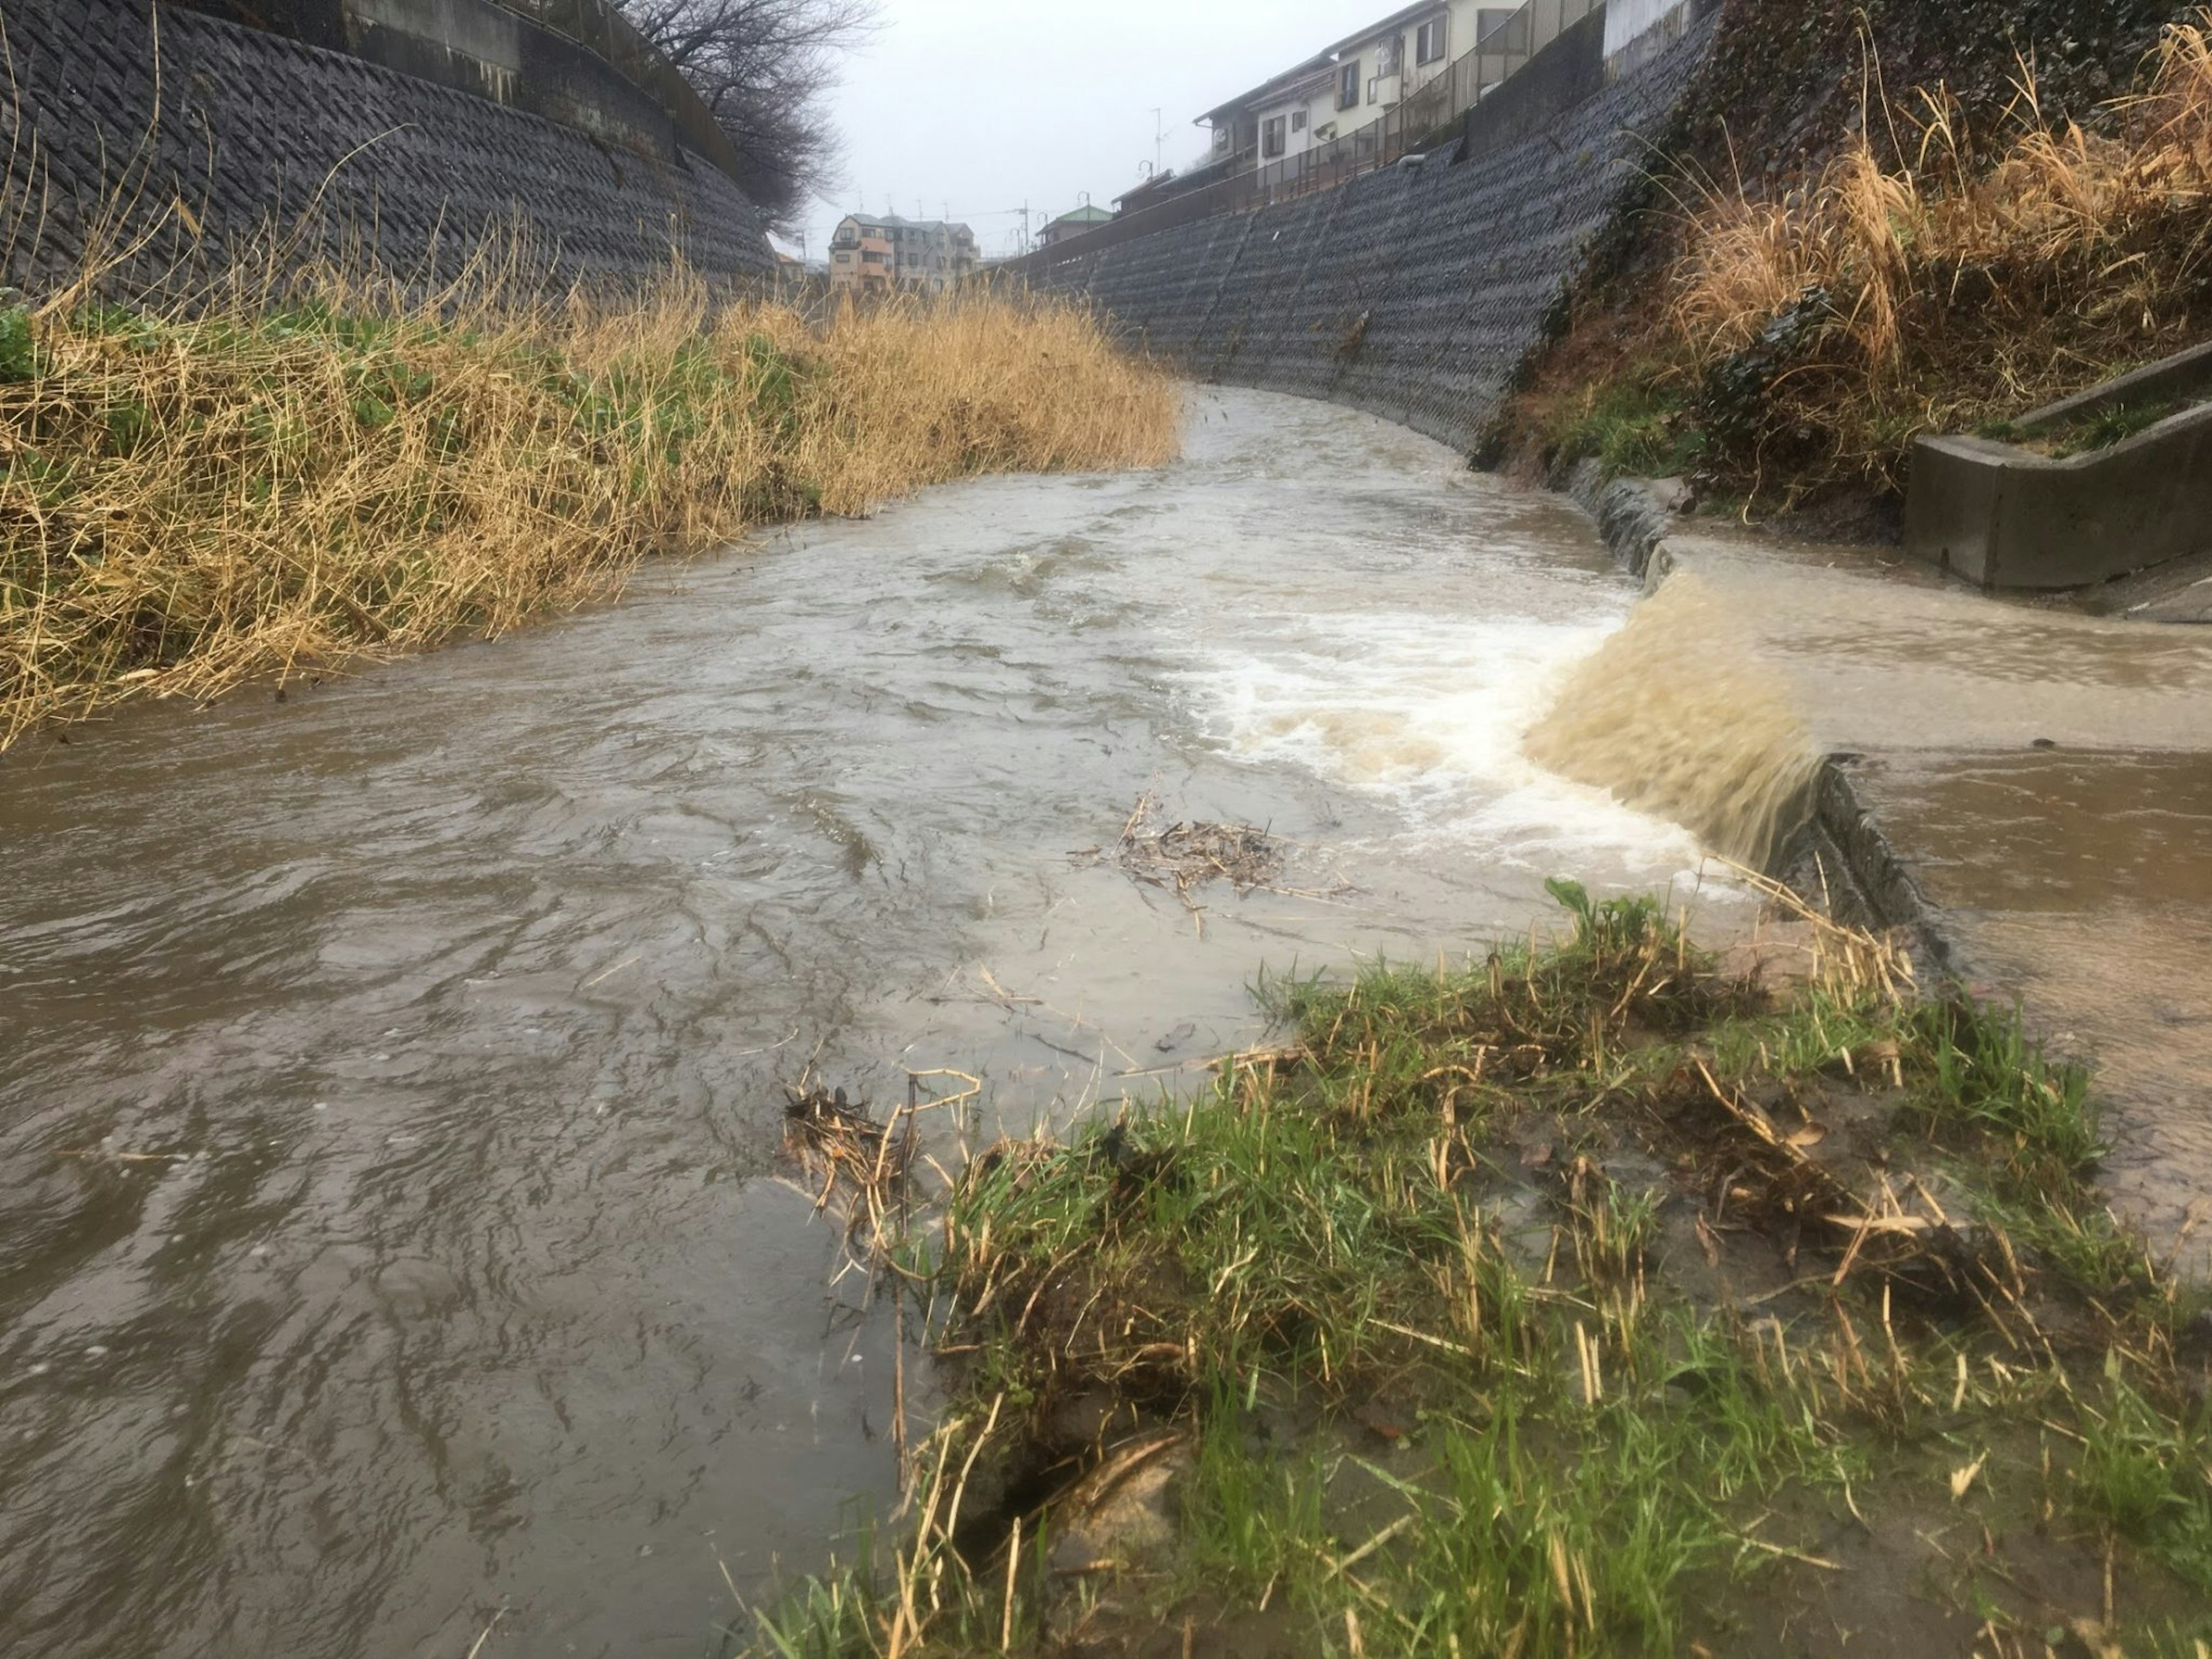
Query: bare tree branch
pixel 765 69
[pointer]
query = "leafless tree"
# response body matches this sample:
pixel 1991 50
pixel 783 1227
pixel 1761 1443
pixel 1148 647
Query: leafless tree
pixel 766 69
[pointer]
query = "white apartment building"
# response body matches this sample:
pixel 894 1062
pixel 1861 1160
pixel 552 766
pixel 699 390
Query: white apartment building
pixel 1357 80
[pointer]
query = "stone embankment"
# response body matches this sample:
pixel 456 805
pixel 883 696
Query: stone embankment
pixel 169 140
pixel 1416 292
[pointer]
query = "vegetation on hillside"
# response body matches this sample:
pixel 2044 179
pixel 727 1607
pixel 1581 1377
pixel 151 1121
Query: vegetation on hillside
pixel 270 485
pixel 1938 267
pixel 1589 1298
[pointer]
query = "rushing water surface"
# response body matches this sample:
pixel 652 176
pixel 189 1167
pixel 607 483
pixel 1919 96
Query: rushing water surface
pixel 394 1231
pixel 2046 777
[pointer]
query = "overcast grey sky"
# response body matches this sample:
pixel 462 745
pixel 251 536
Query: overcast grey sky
pixel 980 105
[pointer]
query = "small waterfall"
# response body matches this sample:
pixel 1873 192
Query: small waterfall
pixel 1676 715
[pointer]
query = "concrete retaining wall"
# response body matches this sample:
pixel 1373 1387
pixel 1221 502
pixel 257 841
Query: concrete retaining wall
pixel 1415 293
pixel 252 130
pixel 2004 517
pixel 600 76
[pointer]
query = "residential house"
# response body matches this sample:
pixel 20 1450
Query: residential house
pixel 882 252
pixel 1068 225
pixel 1277 118
pixel 1360 79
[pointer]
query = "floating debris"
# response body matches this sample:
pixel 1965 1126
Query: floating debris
pixel 840 1145
pixel 1185 854
pixel 869 1165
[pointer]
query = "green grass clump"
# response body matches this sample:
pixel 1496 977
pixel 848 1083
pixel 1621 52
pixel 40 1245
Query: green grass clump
pixel 1427 1295
pixel 2113 424
pixel 1640 423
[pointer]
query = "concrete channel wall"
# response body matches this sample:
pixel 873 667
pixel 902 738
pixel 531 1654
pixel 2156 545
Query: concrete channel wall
pixel 179 138
pixel 2006 517
pixel 2003 517
pixel 1415 293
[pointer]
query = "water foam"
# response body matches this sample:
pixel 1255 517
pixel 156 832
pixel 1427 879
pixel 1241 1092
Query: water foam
pixel 1428 713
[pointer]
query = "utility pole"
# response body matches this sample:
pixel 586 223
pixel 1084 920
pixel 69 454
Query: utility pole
pixel 1159 141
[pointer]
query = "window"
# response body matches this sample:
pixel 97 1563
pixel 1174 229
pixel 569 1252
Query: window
pixel 1221 138
pixel 1390 56
pixel 1347 85
pixel 1429 42
pixel 844 258
pixel 1270 137
pixel 1298 120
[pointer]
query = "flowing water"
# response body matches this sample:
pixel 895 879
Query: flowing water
pixel 2046 777
pixel 1680 714
pixel 394 1229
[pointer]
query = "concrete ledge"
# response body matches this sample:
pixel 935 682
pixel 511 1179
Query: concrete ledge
pixel 2177 376
pixel 2001 516
pixel 1856 856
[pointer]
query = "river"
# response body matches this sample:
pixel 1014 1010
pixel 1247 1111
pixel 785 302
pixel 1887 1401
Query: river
pixel 396 1231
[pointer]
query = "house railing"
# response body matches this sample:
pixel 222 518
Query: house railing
pixel 1416 123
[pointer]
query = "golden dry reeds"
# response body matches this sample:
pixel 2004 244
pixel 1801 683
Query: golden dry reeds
pixel 290 476
pixel 1947 289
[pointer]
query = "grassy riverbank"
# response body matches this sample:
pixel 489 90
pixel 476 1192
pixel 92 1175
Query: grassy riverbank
pixel 1937 257
pixel 202 497
pixel 1592 1297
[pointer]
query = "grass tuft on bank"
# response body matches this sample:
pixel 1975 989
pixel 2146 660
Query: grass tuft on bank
pixel 1593 1296
pixel 264 485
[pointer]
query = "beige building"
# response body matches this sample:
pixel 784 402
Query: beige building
pixel 1358 80
pixel 883 252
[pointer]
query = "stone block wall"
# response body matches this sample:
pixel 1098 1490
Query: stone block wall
pixel 1415 293
pixel 182 138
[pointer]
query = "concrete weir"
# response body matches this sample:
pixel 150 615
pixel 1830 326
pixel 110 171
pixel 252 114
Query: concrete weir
pixel 2027 791
pixel 2004 516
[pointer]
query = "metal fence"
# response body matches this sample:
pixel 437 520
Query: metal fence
pixel 1417 123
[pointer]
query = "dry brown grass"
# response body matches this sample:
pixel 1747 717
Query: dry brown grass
pixel 286 477
pixel 1875 238
pixel 1955 289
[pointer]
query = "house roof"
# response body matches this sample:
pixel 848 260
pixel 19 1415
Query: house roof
pixel 1266 88
pixel 1146 186
pixel 1397 20
pixel 1325 60
pixel 1085 215
pixel 892 222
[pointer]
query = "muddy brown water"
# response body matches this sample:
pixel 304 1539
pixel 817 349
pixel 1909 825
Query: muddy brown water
pixel 2046 779
pixel 394 1229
